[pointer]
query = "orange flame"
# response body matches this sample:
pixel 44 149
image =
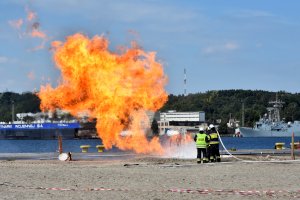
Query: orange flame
pixel 116 89
pixel 189 138
pixel 180 139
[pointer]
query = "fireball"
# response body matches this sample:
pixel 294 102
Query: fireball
pixel 115 88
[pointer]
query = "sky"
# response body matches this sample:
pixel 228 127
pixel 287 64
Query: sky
pixel 232 44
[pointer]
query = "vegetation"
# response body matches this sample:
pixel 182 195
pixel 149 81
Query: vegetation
pixel 223 103
pixel 216 105
pixel 22 103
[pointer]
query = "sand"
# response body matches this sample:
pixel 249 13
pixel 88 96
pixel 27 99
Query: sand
pixel 150 178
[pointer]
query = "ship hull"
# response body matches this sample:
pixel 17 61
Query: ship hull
pixel 250 132
pixel 38 134
pixel 39 131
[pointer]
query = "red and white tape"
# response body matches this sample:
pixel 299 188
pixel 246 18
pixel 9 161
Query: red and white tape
pixel 295 194
pixel 270 193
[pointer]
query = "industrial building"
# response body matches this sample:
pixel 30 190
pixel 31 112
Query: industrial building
pixel 181 121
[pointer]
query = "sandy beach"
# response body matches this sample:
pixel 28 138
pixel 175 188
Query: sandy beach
pixel 151 178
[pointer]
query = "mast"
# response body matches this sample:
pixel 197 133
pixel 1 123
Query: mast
pixel 184 81
pixel 12 111
pixel 243 114
pixel 274 112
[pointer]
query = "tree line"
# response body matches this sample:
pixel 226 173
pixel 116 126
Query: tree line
pixel 11 102
pixel 217 104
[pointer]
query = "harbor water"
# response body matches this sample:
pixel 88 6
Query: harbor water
pixel 43 146
pixel 256 142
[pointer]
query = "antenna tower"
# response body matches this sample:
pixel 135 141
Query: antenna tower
pixel 184 82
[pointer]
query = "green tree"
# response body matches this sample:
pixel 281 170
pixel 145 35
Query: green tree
pixel 219 104
pixel 23 103
pixel 223 128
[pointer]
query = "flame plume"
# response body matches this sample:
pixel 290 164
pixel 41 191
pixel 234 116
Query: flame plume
pixel 116 89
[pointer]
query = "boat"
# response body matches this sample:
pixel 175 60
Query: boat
pixel 67 130
pixel 270 125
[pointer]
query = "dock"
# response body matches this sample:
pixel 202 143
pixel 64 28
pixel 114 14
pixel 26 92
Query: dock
pixel 130 155
pixel 261 152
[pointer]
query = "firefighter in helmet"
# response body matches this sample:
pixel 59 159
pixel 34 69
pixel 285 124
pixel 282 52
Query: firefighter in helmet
pixel 214 144
pixel 202 142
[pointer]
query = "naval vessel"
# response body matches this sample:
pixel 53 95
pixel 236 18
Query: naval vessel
pixel 270 125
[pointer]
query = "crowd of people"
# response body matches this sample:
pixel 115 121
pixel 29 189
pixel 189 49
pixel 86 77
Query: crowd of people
pixel 207 143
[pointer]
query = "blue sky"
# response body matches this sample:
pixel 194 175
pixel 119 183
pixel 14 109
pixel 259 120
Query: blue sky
pixel 232 44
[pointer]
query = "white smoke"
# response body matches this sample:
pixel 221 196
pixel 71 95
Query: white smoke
pixel 185 151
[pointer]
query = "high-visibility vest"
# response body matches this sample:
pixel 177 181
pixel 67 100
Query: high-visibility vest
pixel 214 138
pixel 200 142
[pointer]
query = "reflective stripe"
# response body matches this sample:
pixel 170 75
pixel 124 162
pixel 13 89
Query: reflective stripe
pixel 214 142
pixel 214 138
pixel 201 145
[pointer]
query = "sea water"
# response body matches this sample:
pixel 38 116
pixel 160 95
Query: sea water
pixel 256 142
pixel 43 146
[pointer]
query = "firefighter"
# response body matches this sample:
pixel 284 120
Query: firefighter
pixel 202 142
pixel 214 144
pixel 208 146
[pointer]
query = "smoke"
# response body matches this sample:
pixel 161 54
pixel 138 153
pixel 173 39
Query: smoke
pixel 185 151
pixel 31 75
pixel 17 24
pixel 180 146
pixel 34 29
pixel 29 27
pixel 30 14
pixel 37 33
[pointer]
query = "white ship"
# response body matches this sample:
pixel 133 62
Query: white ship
pixel 270 125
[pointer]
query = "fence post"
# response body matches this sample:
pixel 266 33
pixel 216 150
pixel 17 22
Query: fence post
pixel 293 147
pixel 60 149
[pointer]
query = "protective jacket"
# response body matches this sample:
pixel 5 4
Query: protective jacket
pixel 201 140
pixel 214 138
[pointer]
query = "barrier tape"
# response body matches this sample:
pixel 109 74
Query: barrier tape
pixel 269 193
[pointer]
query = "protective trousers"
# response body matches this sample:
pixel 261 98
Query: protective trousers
pixel 202 155
pixel 214 153
pixel 209 153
